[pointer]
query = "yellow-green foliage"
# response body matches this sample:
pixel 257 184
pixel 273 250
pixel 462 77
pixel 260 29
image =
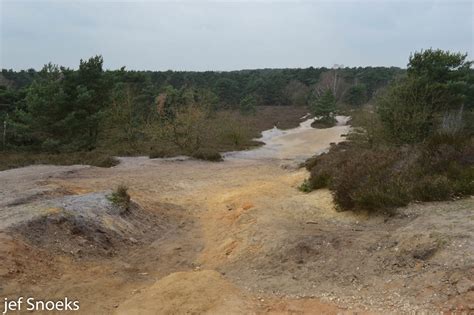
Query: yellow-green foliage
pixel 120 197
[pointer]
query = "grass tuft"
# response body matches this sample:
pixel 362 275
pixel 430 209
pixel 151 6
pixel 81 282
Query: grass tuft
pixel 120 197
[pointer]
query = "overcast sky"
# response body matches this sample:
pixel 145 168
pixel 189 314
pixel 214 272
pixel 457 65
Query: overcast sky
pixel 222 35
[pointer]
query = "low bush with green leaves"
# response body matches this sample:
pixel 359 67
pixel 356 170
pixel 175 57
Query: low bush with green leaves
pixel 305 186
pixel 120 197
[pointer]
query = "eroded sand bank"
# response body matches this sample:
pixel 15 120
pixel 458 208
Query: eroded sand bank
pixel 236 234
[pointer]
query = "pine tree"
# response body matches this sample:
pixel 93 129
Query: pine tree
pixel 64 107
pixel 324 107
pixel 248 105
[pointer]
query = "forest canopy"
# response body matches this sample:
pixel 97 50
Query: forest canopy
pixel 58 109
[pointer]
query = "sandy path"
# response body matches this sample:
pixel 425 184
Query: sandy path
pixel 243 239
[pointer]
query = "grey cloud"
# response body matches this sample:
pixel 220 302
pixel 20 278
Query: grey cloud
pixel 229 35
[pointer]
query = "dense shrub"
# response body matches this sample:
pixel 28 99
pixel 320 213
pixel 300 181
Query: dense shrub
pixel 305 186
pixel 100 160
pixel 208 155
pixel 248 105
pixel 164 151
pixel 369 179
pixel 463 185
pixel 322 167
pixel 383 197
pixel 356 95
pixel 382 178
pixel 433 188
pixel 157 153
pixel 320 180
pixel 416 145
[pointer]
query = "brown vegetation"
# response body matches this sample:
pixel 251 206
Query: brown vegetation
pixel 224 131
pixel 415 146
pixel 382 178
pixel 10 160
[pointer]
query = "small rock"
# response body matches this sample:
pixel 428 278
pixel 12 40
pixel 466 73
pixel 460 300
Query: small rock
pixel 464 285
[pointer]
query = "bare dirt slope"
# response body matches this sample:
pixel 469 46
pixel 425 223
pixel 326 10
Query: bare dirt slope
pixel 232 237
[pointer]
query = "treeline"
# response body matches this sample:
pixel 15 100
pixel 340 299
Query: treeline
pixel 268 86
pixel 59 109
pixel 416 145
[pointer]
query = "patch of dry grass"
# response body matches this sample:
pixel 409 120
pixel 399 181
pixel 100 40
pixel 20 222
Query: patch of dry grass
pixel 10 160
pixel 227 130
